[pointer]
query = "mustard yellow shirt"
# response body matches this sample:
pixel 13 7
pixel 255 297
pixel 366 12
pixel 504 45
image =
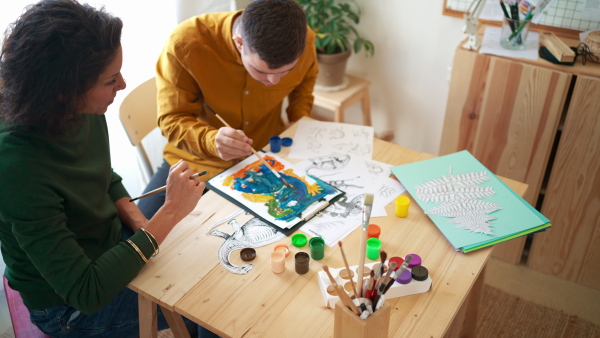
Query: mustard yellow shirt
pixel 200 64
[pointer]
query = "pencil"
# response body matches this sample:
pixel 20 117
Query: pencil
pixel 253 151
pixel 163 188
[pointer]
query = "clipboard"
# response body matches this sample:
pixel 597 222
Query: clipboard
pixel 253 187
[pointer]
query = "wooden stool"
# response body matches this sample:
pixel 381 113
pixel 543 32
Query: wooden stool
pixel 19 315
pixel 338 101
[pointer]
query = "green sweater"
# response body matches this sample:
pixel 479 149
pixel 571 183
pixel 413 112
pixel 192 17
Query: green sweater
pixel 59 228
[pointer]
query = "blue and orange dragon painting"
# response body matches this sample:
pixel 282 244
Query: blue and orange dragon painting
pixel 258 184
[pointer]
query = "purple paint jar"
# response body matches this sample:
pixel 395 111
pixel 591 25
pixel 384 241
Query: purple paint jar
pixel 405 277
pixel 416 260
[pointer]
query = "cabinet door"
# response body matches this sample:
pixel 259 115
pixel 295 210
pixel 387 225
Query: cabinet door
pixel 569 249
pixel 506 113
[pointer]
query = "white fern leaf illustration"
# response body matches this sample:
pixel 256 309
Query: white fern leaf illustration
pixel 461 194
pixel 460 197
pixel 457 208
pixel 473 222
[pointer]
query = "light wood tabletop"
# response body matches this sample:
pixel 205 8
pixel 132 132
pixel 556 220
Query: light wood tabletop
pixel 186 278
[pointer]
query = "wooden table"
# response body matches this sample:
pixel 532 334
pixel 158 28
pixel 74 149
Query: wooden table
pixel 187 279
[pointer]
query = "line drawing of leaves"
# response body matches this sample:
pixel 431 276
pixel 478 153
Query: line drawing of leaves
pixel 460 197
pixel 453 209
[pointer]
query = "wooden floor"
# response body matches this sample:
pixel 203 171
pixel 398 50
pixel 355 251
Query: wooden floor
pixel 544 289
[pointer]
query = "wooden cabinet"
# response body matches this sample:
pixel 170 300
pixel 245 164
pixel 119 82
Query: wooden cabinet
pixel 571 249
pixel 536 123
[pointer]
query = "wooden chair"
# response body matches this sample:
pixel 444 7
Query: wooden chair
pixel 19 315
pixel 138 116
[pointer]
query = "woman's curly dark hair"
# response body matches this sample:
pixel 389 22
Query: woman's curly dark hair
pixel 51 56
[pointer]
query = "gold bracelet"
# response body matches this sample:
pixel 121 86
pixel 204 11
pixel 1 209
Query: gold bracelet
pixel 135 247
pixel 157 247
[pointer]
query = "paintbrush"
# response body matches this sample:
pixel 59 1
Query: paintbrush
pixel 344 298
pixel 400 270
pixel 369 291
pixel 383 256
pixel 383 284
pixel 366 216
pixel 348 269
pixel 262 160
pixel 163 188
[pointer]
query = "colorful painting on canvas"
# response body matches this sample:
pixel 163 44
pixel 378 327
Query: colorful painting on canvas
pixel 257 188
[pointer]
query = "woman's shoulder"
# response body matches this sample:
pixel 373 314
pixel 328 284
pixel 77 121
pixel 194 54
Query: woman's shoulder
pixel 20 150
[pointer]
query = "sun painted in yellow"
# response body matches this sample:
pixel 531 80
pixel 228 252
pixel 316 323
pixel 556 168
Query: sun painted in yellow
pixel 312 189
pixel 227 181
pixel 256 198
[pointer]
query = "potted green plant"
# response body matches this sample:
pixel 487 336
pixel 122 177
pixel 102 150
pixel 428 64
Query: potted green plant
pixel 334 22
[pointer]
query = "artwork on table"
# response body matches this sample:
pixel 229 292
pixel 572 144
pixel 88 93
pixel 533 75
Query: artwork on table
pixel 461 197
pixel 252 234
pixel 317 138
pixel 485 197
pixel 355 176
pixel 252 186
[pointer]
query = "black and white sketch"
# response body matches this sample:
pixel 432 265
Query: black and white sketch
pixel 252 234
pixel 316 138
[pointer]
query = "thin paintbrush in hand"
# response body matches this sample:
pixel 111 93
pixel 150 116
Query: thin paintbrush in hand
pixel 155 191
pixel 253 151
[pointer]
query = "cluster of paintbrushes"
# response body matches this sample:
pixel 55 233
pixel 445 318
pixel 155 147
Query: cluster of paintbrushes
pixel 372 293
pixel 369 296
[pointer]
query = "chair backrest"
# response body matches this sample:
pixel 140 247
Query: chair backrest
pixel 138 116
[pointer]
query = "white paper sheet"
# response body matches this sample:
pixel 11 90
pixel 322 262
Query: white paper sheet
pixel 317 138
pixel 355 177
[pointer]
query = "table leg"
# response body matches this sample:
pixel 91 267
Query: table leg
pixel 176 323
pixel 148 318
pixel 366 108
pixel 465 322
pixel 338 115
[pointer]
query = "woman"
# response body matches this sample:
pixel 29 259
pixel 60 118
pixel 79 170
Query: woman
pixel 63 210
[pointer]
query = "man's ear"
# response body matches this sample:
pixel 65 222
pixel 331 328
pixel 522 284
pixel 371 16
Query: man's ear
pixel 238 41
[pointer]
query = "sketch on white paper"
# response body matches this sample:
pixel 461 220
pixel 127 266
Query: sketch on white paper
pixel 378 169
pixel 460 197
pixel 317 138
pixel 355 177
pixel 252 234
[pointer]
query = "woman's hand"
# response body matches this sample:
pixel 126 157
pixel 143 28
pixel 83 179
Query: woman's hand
pixel 232 144
pixel 183 194
pixel 183 191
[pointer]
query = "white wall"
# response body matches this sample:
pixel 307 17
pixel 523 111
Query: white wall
pixel 145 29
pixel 414 46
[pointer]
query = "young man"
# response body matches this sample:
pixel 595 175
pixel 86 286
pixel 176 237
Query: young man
pixel 242 64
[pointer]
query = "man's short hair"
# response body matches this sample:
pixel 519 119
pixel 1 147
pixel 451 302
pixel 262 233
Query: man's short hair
pixel 275 30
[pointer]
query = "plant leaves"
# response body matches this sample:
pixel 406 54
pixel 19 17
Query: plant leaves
pixel 460 197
